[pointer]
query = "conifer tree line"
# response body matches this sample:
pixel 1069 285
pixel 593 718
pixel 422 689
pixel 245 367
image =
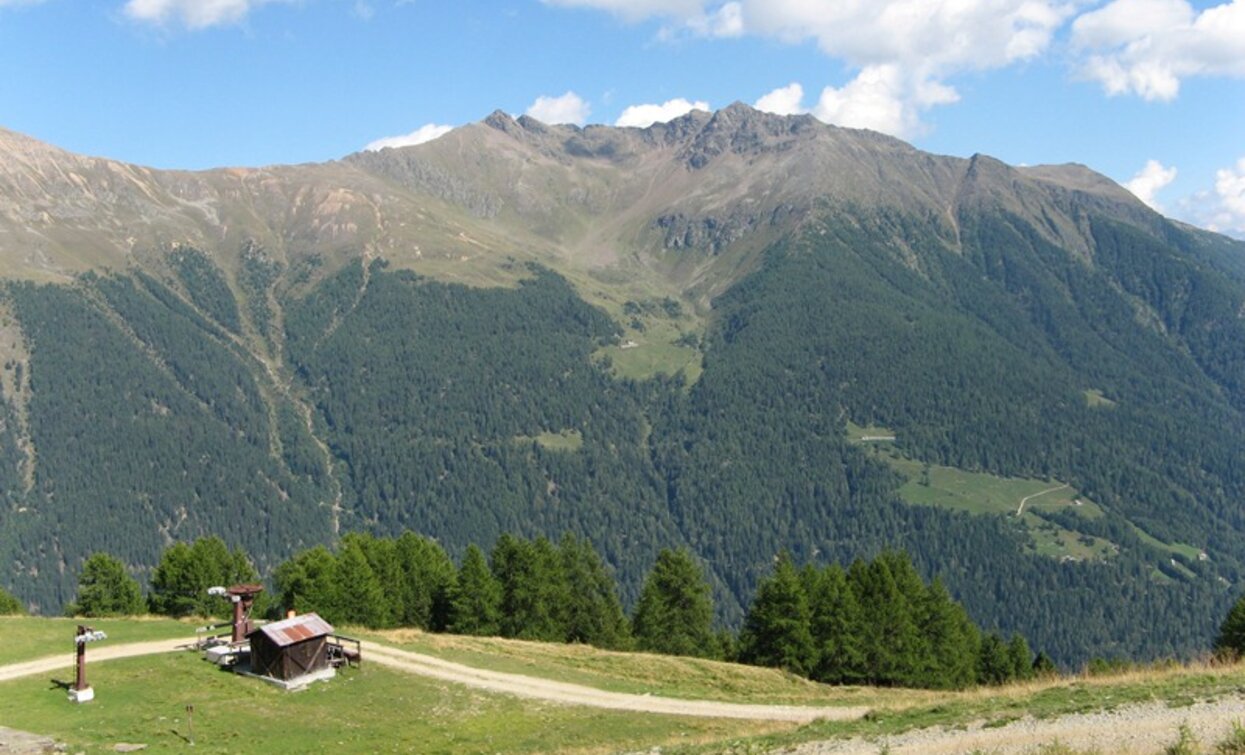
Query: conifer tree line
pixel 876 622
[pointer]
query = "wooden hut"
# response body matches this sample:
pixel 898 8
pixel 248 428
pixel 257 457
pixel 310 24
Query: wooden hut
pixel 288 649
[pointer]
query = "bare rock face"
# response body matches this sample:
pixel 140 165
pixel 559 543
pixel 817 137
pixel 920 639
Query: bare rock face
pixel 591 197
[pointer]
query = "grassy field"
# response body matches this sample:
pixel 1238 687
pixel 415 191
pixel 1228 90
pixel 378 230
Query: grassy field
pixel 1183 549
pixel 668 676
pixel 23 638
pixel 372 709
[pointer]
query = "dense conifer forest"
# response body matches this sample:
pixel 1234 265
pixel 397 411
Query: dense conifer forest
pixel 280 413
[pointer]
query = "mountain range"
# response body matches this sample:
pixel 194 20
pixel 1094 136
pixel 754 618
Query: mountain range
pixel 735 332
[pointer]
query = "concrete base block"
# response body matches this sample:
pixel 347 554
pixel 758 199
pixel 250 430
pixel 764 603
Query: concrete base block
pixel 82 695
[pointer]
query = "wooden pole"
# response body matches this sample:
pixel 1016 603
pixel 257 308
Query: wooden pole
pixel 80 683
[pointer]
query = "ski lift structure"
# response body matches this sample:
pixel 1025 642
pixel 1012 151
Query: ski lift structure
pixel 290 653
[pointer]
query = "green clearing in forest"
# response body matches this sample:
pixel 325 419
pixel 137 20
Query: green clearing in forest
pixel 1095 399
pixel 563 440
pixel 981 493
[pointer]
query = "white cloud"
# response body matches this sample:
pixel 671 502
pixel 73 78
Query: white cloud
pixel 883 98
pixel 420 135
pixel 642 116
pixel 1227 206
pixel 1147 47
pixel 194 14
pixel 726 21
pixel 904 50
pixel 1149 180
pixel 569 108
pixel 788 100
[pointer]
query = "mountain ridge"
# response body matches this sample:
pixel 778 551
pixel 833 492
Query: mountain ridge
pixel 649 337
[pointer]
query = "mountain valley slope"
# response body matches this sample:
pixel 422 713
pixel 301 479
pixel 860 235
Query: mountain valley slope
pixel 280 354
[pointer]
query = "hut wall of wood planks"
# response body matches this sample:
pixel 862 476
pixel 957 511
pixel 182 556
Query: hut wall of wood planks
pixel 291 648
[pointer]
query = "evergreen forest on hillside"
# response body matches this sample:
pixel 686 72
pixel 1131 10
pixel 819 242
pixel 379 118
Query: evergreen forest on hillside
pixel 281 415
pixel 875 623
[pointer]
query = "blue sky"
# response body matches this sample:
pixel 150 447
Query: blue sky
pixel 1149 92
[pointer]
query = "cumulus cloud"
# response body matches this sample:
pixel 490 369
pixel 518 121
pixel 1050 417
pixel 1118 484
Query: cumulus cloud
pixel 642 116
pixel 883 98
pixel 1228 208
pixel 1149 180
pixel 193 14
pixel 788 100
pixel 1146 47
pixel 420 135
pixel 569 108
pixel 905 51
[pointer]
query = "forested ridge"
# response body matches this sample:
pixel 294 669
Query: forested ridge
pixel 399 402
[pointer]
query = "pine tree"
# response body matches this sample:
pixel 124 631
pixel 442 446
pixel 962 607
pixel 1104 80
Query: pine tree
pixel 106 589
pixel 994 664
pixel 1231 637
pixel 382 559
pixel 361 598
pixel 1021 658
pixel 892 640
pixel 675 612
pixel 308 582
pixel 428 576
pixel 476 597
pixel 177 582
pixel 533 588
pixel 593 612
pixel 180 582
pixel 776 630
pixel 952 638
pixel 835 618
pixel 9 605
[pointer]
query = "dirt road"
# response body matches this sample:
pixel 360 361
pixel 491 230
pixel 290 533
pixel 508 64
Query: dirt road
pixel 490 681
pixel 1021 508
pixel 97 653
pixel 1142 729
pixel 574 694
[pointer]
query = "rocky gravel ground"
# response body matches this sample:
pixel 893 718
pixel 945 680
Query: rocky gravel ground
pixel 1147 728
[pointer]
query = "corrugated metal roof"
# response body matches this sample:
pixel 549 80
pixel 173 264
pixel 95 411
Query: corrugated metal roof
pixel 290 631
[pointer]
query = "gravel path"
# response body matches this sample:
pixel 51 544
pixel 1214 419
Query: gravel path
pixel 95 654
pixel 1146 728
pixel 575 694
